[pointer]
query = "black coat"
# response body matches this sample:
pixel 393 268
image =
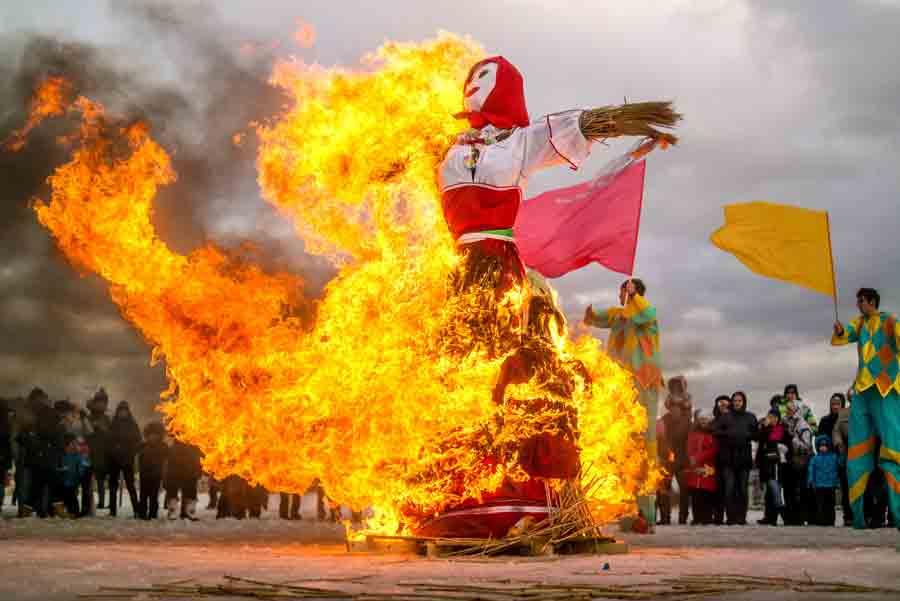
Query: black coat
pixel 43 441
pixel 98 441
pixel 767 458
pixel 124 440
pixel 153 459
pixel 735 430
pixel 827 423
pixel 185 462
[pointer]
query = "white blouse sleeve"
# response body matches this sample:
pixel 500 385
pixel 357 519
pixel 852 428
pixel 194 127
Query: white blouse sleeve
pixel 554 140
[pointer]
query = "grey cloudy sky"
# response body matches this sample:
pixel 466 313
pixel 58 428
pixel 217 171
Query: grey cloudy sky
pixel 794 102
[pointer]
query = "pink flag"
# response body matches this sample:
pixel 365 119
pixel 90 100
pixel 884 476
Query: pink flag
pixel 563 230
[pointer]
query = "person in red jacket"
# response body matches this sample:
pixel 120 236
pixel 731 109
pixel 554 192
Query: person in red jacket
pixel 700 473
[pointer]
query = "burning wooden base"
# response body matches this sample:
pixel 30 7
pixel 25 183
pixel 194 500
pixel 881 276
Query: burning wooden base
pixel 520 545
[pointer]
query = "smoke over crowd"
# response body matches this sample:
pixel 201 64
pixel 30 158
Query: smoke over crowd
pixel 198 87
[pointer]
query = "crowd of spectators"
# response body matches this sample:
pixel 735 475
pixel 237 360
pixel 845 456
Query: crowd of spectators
pixel 800 461
pixel 66 461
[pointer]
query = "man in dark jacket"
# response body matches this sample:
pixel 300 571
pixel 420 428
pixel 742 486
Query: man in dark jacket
pixel 99 442
pixel 735 431
pixel 42 443
pixel 152 461
pixel 124 444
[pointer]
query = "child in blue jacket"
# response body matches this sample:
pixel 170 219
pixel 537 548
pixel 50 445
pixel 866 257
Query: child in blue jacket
pixel 73 467
pixel 823 477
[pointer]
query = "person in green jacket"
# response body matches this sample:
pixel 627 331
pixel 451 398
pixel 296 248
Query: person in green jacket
pixel 634 343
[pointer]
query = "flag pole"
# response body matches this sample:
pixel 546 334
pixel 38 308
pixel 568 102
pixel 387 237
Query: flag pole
pixel 833 274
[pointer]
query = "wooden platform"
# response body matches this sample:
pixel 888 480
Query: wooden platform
pixel 523 546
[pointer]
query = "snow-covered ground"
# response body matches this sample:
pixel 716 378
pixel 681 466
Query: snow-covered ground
pixel 55 559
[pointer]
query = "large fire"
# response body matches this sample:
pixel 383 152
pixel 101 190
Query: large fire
pixel 358 389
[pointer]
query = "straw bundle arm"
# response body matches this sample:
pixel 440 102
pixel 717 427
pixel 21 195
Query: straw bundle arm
pixel 631 119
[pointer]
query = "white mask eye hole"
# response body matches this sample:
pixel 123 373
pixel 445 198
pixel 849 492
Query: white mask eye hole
pixel 483 73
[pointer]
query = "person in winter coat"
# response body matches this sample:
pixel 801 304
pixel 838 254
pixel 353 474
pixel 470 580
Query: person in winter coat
pixel 840 435
pixel 829 420
pixel 794 481
pixel 214 487
pixel 259 501
pixel 771 460
pixel 289 506
pixel 98 442
pixel 42 444
pixel 152 461
pixel 792 395
pixel 672 447
pixel 700 473
pixel 735 431
pixel 75 422
pixel 24 426
pixel 124 444
pixel 73 466
pixel 185 470
pixel 822 477
pixel 6 451
pixel 235 499
pixel 720 408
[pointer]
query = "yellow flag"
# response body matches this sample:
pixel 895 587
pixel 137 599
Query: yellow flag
pixel 782 242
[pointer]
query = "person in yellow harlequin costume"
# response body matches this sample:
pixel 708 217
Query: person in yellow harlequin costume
pixel 634 343
pixel 875 411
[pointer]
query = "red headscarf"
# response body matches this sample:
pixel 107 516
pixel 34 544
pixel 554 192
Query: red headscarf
pixel 505 105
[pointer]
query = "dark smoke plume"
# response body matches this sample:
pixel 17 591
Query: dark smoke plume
pixel 60 330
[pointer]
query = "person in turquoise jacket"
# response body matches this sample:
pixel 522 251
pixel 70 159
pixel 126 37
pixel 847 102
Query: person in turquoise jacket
pixel 875 411
pixel 634 343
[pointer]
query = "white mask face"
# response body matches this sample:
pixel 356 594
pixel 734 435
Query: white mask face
pixel 480 86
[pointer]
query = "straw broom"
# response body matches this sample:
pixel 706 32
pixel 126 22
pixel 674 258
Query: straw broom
pixel 631 119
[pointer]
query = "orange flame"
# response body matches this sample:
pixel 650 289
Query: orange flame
pixel 49 100
pixel 356 391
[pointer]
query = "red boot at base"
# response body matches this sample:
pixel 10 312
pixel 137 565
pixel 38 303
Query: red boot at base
pixel 483 179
